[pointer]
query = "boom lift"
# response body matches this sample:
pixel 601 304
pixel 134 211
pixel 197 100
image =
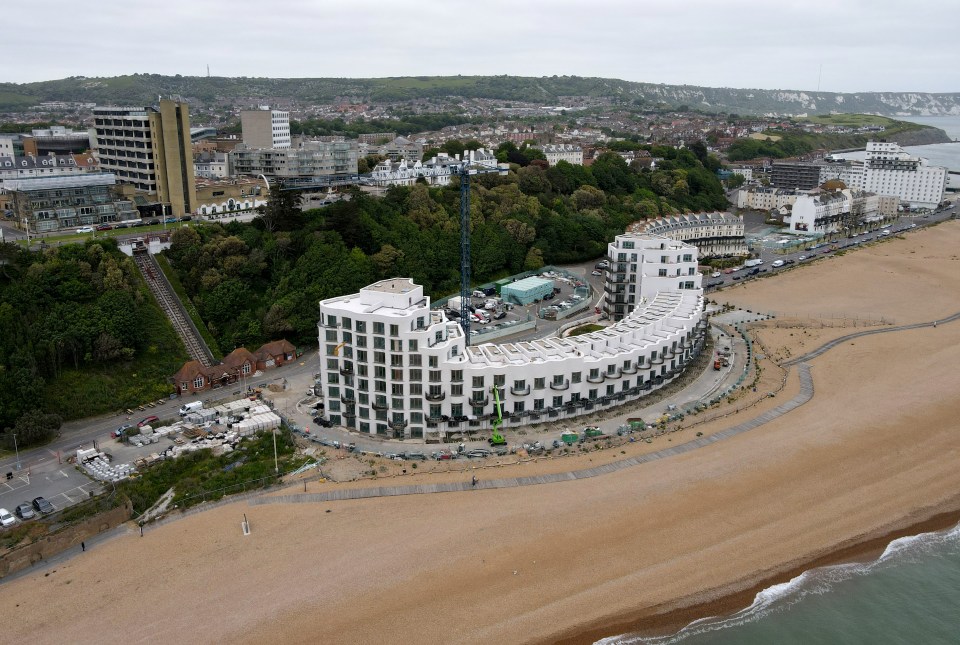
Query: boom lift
pixel 496 439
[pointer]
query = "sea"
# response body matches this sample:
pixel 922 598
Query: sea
pixel 909 595
pixel 938 154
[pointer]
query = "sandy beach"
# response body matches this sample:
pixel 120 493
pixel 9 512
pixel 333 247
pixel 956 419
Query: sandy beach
pixel 874 453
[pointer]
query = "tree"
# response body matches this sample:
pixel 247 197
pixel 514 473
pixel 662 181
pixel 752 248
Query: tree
pixel 533 180
pixel 735 180
pixel 282 210
pixel 34 427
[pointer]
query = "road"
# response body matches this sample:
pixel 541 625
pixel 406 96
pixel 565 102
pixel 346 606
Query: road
pixel 769 256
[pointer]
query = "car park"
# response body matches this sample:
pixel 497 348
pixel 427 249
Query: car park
pixel 24 511
pixel 41 505
pixel 7 518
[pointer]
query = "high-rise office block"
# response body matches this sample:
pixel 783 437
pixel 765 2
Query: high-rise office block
pixel 149 148
pixel 265 128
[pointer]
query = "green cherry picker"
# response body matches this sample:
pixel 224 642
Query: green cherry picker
pixel 496 439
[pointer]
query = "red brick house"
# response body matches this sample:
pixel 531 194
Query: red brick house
pixel 238 364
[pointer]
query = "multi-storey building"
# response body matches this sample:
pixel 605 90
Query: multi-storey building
pixel 563 152
pixel 211 165
pixel 798 175
pixel 819 212
pixel 889 170
pixel 851 173
pixel 763 198
pixel 50 165
pixel 643 264
pixel 265 128
pixel 391 366
pixel 149 148
pixel 396 149
pixel 217 198
pixel 56 140
pixel 46 204
pixel 714 234
pixel 307 159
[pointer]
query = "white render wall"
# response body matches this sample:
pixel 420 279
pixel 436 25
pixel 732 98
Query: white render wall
pixel 889 170
pixel 391 366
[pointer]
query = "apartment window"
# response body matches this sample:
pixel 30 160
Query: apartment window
pixel 379 386
pixel 346 322
pixel 456 390
pixel 416 388
pixel 331 321
pixel 394 330
pixel 379 357
pixel 378 328
pixel 332 364
pixel 361 341
pixel 416 404
pixel 379 343
pixel 456 376
pixel 662 273
pixel 592 394
pixel 361 327
pixel 396 389
pixel 333 392
pixel 362 355
pixel 363 385
pixel 433 361
pixel 198 382
pixel 396 360
pixel 478 381
pixel 333 377
pixel 688 257
pixel 539 383
pixel 396 375
pixel 538 404
pixel 379 371
pixel 416 375
pixel 558 379
pixel 575 377
pixel 557 401
pixel 416 360
pixel 396 345
pixel 517 407
pixel 332 335
pixel 412 345
pixel 499 380
pixel 435 376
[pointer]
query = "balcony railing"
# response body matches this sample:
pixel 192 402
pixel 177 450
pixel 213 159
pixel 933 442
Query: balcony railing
pixel 435 396
pixel 350 414
pixel 348 398
pixel 595 378
pixel 346 370
pixel 560 386
pixel 380 405
pixel 520 391
pixel 397 425
pixel 629 369
pixel 480 402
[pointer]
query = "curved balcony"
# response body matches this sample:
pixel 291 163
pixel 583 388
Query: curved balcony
pixel 346 370
pixel 657 360
pixel 598 378
pixel 435 396
pixel 588 404
pixel 397 425
pixel 379 405
pixel 560 386
pixel 630 369
pixel 615 373
pixel 480 402
pixel 350 414
pixel 348 398
pixel 520 391
pixel 553 412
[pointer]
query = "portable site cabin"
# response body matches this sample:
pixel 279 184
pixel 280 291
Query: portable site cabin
pixel 526 291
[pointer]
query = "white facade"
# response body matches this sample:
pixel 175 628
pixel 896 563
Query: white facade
pixel 745 171
pixel 851 173
pixel 563 152
pixel 212 165
pixel 45 166
pixel 819 212
pixel 889 170
pixel 391 366
pixel 436 171
pixel 764 198
pixel 644 264
pixel 714 234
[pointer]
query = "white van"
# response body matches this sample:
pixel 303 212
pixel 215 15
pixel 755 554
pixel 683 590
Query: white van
pixel 193 406
pixel 777 263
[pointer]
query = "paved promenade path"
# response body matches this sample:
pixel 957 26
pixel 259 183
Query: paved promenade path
pixel 804 395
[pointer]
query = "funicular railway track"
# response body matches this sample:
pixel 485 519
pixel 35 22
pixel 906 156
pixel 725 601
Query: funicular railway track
pixel 172 307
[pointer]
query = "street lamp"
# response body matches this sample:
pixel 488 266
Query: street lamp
pixel 16 450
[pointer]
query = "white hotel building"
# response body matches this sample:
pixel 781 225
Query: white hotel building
pixel 889 170
pixel 391 366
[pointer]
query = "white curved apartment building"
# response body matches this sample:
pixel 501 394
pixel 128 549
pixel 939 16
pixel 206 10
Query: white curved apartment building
pixel 715 234
pixel 391 366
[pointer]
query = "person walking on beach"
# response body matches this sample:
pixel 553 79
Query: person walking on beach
pixel 83 546
pixel 473 482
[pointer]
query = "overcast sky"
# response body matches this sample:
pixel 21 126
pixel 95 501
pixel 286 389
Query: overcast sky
pixel 862 45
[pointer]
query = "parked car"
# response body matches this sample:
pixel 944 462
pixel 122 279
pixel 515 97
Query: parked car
pixel 186 218
pixel 777 263
pixel 715 274
pixel 7 518
pixel 85 229
pixel 596 272
pixel 153 222
pixel 170 220
pixel 802 258
pixel 119 431
pixel 148 420
pixel 41 505
pixel 104 227
pixel 499 315
pixel 24 511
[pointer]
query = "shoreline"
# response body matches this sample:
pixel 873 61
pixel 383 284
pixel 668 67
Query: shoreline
pixel 663 621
